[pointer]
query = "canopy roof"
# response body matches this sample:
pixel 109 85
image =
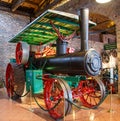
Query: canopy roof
pixel 40 31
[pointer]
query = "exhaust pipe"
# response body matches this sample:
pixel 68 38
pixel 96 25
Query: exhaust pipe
pixel 84 24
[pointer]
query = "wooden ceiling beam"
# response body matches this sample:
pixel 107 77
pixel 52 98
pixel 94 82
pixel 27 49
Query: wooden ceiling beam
pixel 5 4
pixel 32 3
pixel 41 2
pixel 14 1
pixel 42 5
pixel 7 9
pixel 40 11
pixel 16 4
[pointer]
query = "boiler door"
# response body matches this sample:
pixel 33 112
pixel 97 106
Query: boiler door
pixel 93 63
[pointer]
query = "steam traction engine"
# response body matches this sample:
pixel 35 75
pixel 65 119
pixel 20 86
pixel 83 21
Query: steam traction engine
pixel 63 78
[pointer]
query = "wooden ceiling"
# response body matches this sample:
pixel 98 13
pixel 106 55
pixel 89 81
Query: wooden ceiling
pixel 34 8
pixel 104 24
pixel 28 7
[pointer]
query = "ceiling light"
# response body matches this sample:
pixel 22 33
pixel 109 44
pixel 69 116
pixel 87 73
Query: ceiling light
pixel 103 1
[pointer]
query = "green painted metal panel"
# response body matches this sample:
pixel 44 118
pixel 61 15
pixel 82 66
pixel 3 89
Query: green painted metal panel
pixel 62 26
pixel 72 81
pixel 34 81
pixel 37 31
pixel 62 20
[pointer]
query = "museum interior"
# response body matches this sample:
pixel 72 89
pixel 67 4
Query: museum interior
pixel 59 60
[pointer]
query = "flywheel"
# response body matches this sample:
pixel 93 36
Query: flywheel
pixel 22 53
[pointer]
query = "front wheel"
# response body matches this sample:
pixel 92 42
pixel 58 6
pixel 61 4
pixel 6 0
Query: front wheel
pixel 56 95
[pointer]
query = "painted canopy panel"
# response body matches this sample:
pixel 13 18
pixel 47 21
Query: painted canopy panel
pixel 40 31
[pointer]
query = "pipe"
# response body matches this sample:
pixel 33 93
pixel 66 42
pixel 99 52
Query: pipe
pixel 83 22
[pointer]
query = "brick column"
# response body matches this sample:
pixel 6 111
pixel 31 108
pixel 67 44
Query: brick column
pixel 118 48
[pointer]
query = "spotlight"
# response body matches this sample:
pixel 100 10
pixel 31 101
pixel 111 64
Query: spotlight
pixel 103 1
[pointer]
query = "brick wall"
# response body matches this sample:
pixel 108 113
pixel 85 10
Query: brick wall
pixel 76 44
pixel 118 47
pixel 10 24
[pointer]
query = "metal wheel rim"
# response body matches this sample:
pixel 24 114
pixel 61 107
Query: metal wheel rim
pixel 95 97
pixel 15 80
pixel 53 113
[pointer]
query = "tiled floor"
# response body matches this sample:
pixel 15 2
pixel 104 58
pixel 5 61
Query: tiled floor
pixel 109 110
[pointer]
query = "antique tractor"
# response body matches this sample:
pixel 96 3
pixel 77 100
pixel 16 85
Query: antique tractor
pixel 63 78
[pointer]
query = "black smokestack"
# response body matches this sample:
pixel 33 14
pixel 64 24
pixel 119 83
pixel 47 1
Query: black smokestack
pixel 84 21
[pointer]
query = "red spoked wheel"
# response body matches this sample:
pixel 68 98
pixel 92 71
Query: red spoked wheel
pixel 22 53
pixel 15 80
pixel 92 92
pixel 9 80
pixel 55 94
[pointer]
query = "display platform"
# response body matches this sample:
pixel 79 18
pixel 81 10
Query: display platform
pixel 27 110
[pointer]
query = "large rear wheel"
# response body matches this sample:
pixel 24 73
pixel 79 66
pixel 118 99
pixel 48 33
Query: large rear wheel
pixel 15 80
pixel 92 92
